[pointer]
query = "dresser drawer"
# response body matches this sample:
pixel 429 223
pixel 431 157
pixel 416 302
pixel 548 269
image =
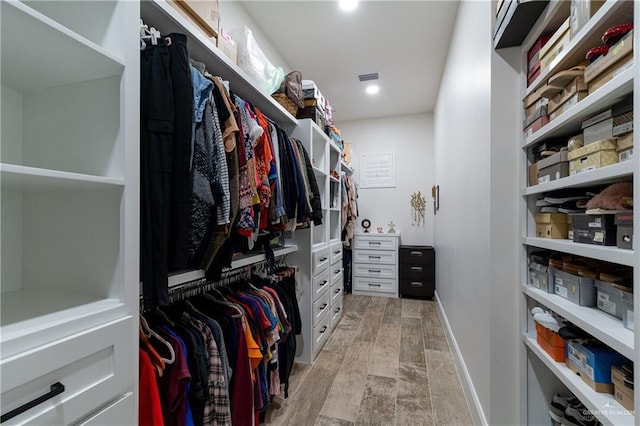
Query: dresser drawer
pixel 336 293
pixel 321 283
pixel 336 252
pixel 321 333
pixel 416 255
pixel 375 242
pixel 118 412
pixel 321 307
pixel 337 275
pixel 380 285
pixel 93 367
pixel 374 271
pixel 336 313
pixel 374 256
pixel 320 259
pixel 415 272
pixel 419 288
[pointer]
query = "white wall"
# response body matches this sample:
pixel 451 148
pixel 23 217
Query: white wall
pixel 411 139
pixel 462 170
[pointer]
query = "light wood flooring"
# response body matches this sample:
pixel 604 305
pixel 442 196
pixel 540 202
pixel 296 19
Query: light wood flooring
pixel 387 363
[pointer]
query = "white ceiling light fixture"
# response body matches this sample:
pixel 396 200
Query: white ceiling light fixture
pixel 348 5
pixel 372 89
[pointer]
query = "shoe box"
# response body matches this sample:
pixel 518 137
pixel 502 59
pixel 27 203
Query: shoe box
pixel 610 298
pixel 552 225
pixel 598 229
pixel 556 44
pixel 606 67
pixel 551 343
pixel 622 392
pixel 593 364
pixel 624 229
pixel 577 289
pixel 541 276
pixel 594 155
pixel 553 167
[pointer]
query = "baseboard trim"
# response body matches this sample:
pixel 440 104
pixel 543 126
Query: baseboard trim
pixel 470 394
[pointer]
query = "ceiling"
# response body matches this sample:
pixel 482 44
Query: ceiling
pixel 406 42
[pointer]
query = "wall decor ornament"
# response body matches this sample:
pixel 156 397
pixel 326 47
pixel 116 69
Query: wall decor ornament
pixel 418 206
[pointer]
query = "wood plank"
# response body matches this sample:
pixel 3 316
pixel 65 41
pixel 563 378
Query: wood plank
pixel 368 330
pixel 329 421
pixel 411 308
pixel 413 402
pixel 383 360
pixel 433 333
pixel 411 343
pixel 449 404
pixel 392 311
pixel 378 402
pixel 356 303
pixel 378 301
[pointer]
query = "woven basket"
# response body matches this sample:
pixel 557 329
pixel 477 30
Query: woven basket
pixel 287 103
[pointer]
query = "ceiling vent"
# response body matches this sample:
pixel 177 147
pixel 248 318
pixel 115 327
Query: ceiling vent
pixel 368 77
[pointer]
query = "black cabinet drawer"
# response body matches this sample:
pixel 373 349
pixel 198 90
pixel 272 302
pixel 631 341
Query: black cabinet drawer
pixel 415 272
pixel 417 288
pixel 416 255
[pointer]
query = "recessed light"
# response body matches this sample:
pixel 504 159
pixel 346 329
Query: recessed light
pixel 348 5
pixel 372 89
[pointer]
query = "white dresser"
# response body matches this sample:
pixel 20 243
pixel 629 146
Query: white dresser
pixel 375 264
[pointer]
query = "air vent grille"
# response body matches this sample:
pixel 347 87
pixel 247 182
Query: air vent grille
pixel 368 77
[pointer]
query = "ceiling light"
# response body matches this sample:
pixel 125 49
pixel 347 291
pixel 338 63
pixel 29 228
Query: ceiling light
pixel 348 5
pixel 373 89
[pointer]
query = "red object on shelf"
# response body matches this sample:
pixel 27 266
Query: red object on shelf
pixel 551 342
pixel 613 34
pixel 596 52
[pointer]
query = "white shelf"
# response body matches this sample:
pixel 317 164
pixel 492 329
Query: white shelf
pixel 570 121
pixel 346 168
pixel 35 179
pixel 166 19
pixel 319 172
pixel 239 261
pixel 608 174
pixel 600 325
pixel 334 179
pixel 335 209
pixel 603 405
pixel 333 146
pixel 611 13
pixel 607 253
pixel 48 54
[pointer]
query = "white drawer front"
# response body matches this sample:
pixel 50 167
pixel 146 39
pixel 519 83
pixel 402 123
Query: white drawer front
pixel 93 366
pixel 321 307
pixel 337 275
pixel 375 256
pixel 336 313
pixel 321 333
pixel 336 293
pixel 374 271
pixel 321 283
pixel 375 242
pixel 118 412
pixel 381 285
pixel 321 259
pixel 336 252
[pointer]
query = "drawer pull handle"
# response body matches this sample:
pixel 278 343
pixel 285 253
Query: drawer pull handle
pixel 337 252
pixel 323 259
pixel 323 283
pixel 337 272
pixel 337 310
pixel 374 257
pixel 375 270
pixel 416 253
pixel 375 242
pixel 56 389
pixel 374 285
pixel 324 305
pixel 416 284
pixel 338 290
pixel 416 268
pixel 323 329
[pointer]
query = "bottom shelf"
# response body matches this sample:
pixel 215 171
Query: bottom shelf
pixel 603 405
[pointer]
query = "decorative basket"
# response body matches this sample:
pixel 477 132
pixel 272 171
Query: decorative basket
pixel 287 103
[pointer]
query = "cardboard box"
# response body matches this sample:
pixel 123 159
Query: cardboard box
pixel 593 364
pixel 313 113
pixel 621 392
pixel 625 155
pixel 226 44
pixel 624 229
pixel 627 311
pixel 576 86
pixel 593 156
pixel 533 59
pixel 597 127
pixel 204 13
pixel 539 111
pixel 533 96
pixel 581 12
pixel 623 123
pixel 551 225
pixel 531 109
pixel 536 125
pixel 558 41
pixel 569 103
pixel 616 53
pixel 598 229
pixel 551 343
pixel 611 73
pixel 576 289
pixel 541 277
pixel 625 141
pixel 533 174
pixel 609 298
pixel 553 168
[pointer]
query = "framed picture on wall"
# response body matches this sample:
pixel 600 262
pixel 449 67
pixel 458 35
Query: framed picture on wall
pixel 377 170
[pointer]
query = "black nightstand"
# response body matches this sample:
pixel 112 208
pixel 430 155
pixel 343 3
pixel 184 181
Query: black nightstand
pixel 417 270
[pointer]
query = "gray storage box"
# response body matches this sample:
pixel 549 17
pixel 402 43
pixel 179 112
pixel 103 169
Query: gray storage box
pixel 624 232
pixel 541 276
pixel 610 298
pixel 576 289
pixel 553 167
pixel 627 310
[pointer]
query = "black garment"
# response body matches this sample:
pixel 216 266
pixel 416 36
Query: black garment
pixel 316 202
pixel 346 267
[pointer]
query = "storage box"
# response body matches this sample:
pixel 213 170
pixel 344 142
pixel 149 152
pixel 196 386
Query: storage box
pixel 593 364
pixel 576 86
pixel 226 44
pixel 313 113
pixel 623 124
pixel 616 53
pixel 533 174
pixel 541 277
pixel 581 12
pixel 622 393
pixel 551 225
pixel 540 110
pixel 536 125
pixel 597 127
pixel 533 58
pixel 569 103
pixel 627 311
pixel 624 229
pixel 609 298
pixel 574 288
pixel 553 167
pixel 598 229
pixel 593 156
pixel 205 14
pixel 551 343
pixel 558 41
pixel 611 73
